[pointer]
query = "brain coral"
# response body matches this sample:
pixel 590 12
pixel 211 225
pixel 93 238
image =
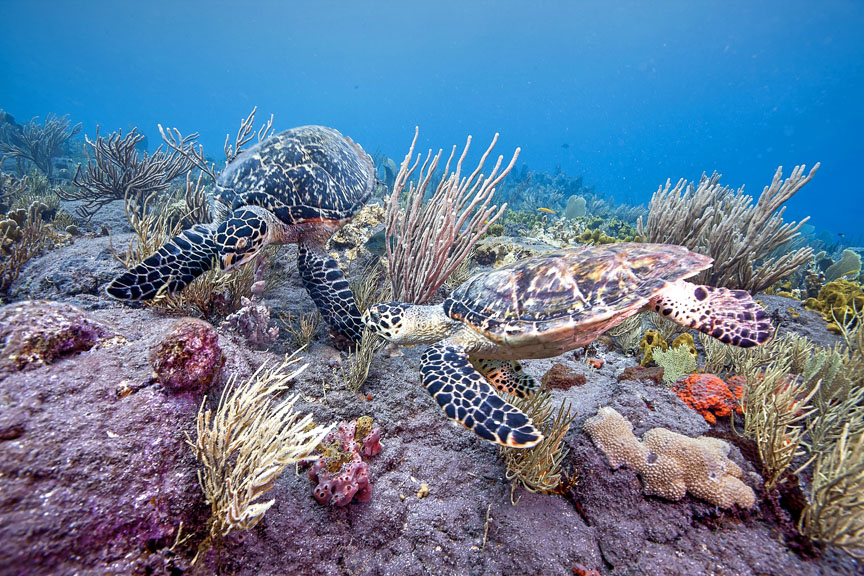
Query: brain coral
pixel 672 464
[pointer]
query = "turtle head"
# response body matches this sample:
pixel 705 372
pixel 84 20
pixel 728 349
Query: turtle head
pixel 243 235
pixel 409 324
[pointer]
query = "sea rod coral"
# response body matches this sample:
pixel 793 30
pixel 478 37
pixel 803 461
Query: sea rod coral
pixel 743 238
pixel 427 241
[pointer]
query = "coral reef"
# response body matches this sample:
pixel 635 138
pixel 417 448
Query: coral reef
pixel 252 322
pixel 838 302
pixel 710 396
pixel 503 250
pixel 339 473
pixel 188 357
pixel 350 242
pixel 671 464
pixel 34 333
pixel 676 362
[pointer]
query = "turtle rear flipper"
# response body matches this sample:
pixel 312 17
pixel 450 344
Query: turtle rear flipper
pixel 507 376
pixel 328 288
pixel 177 263
pixel 467 398
pixel 731 316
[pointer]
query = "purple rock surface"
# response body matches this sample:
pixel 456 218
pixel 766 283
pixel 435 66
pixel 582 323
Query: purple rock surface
pixel 188 357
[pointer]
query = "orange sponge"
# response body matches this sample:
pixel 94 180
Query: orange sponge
pixel 710 395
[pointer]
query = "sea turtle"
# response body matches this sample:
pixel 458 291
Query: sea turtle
pixel 300 186
pixel 548 304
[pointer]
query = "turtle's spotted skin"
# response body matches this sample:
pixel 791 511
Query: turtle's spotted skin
pixel 465 397
pixel 328 288
pixel 171 268
pixel 508 376
pixel 297 186
pixel 546 305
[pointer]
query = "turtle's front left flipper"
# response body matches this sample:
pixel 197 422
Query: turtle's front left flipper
pixel 507 376
pixel 177 263
pixel 328 288
pixel 467 398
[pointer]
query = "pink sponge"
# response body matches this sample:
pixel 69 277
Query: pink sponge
pixel 340 472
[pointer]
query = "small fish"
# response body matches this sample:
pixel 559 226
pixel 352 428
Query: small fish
pixel 565 146
pixel 546 210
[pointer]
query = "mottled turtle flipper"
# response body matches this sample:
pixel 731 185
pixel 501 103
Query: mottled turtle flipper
pixel 171 268
pixel 731 316
pixel 328 288
pixel 507 376
pixel 467 398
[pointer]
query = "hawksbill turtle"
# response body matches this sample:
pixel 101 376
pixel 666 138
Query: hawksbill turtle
pixel 545 305
pixel 300 185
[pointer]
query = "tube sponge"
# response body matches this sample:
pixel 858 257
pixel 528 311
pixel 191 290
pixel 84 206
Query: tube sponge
pixel 340 473
pixel 672 464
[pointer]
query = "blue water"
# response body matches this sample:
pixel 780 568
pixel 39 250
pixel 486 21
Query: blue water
pixel 627 94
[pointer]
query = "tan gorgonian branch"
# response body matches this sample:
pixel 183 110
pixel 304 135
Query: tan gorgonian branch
pixel 301 327
pixel 835 514
pixel 745 239
pixel 245 134
pixel 115 171
pixel 427 241
pixel 538 469
pixel 628 333
pixel 360 361
pixel 368 287
pixel 460 274
pixel 150 219
pixel 245 444
pixel 776 409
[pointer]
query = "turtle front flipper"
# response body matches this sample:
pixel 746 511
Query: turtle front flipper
pixel 731 316
pixel 176 264
pixel 328 288
pixel 467 398
pixel 507 376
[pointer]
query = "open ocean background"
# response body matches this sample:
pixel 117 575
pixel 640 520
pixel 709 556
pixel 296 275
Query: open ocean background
pixel 626 94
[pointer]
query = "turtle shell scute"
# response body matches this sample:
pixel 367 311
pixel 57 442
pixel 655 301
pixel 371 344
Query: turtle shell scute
pixel 541 296
pixel 302 174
